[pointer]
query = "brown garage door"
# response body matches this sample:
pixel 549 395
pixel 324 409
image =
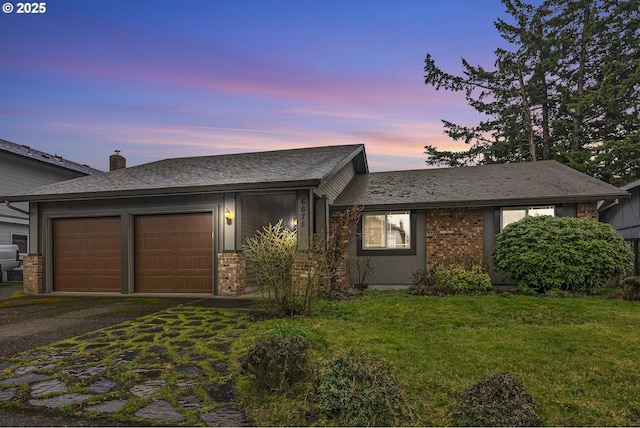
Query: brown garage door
pixel 87 254
pixel 174 253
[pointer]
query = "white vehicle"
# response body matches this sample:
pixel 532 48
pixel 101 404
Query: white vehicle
pixel 9 259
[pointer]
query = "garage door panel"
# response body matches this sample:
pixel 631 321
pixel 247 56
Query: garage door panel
pixel 174 253
pixel 87 254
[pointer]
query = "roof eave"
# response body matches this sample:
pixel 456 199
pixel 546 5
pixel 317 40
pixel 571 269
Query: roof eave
pixel 280 185
pixel 490 202
pixel 360 167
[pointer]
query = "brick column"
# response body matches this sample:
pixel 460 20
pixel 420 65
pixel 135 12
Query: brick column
pixel 588 210
pixel 340 237
pixel 232 274
pixel 33 274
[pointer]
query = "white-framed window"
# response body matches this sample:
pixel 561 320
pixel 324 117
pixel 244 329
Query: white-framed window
pixel 386 230
pixel 513 214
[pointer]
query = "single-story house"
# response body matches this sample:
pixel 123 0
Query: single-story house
pixel 624 216
pixel 23 167
pixel 178 225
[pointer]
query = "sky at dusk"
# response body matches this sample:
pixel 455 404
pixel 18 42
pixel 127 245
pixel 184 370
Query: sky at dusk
pixel 175 78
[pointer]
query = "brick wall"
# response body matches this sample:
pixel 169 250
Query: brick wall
pixel 453 233
pixel 304 273
pixel 33 274
pixel 587 210
pixel 340 237
pixel 232 274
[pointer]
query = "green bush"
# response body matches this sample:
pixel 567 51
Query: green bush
pixel 456 279
pixel 580 255
pixel 448 279
pixel 279 360
pixel 358 389
pixel 498 400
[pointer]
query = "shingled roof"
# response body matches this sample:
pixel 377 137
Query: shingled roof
pixel 38 156
pixel 273 169
pixel 486 185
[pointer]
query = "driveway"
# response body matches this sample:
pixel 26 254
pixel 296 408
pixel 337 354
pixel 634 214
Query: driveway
pixel 30 321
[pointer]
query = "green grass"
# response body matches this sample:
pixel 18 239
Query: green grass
pixel 579 357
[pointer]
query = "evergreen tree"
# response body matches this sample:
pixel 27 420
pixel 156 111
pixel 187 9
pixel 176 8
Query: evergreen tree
pixel 569 89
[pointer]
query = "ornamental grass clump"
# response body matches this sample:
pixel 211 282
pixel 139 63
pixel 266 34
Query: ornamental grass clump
pixel 359 389
pixel 496 401
pixel 573 254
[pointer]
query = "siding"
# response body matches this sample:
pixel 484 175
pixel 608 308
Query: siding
pixel 398 269
pixel 625 216
pixel 333 187
pixel 16 175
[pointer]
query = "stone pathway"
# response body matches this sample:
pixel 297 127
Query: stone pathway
pixel 136 370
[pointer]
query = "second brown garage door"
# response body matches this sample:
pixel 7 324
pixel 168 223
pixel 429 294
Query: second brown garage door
pixel 174 253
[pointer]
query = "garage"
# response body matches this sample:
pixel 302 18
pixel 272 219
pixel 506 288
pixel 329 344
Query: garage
pixel 174 253
pixel 87 254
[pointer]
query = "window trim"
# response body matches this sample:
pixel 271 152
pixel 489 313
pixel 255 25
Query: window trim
pixel 526 208
pixel 389 251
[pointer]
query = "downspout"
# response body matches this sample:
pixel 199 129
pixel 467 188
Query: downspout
pixel 20 210
pixel 606 207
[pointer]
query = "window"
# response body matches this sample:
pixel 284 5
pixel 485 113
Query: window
pixel 511 215
pixel 387 231
pixel 261 210
pixel 21 241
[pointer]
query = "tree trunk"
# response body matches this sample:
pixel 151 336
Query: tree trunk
pixel 527 117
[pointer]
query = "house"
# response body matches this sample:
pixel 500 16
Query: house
pixel 452 213
pixel 177 225
pixel 624 216
pixel 23 167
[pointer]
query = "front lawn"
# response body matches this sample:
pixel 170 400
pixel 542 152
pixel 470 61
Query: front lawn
pixel 578 357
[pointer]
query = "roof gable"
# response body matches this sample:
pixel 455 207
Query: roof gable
pixel 485 185
pixel 281 168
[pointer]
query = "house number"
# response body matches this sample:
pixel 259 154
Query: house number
pixel 303 212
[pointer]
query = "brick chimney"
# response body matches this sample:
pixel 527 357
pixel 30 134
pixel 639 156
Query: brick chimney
pixel 117 161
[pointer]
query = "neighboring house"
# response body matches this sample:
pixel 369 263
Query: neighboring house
pixel 624 216
pixel 177 225
pixel 22 167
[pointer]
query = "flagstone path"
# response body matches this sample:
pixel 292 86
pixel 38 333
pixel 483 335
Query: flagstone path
pixel 170 366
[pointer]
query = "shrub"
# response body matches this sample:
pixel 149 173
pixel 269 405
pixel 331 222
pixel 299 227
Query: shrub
pixel 358 389
pixel 279 360
pixel 455 279
pixel 361 272
pixel 630 288
pixel 272 253
pixel 498 400
pixel 423 283
pixel 542 253
pixel 447 279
